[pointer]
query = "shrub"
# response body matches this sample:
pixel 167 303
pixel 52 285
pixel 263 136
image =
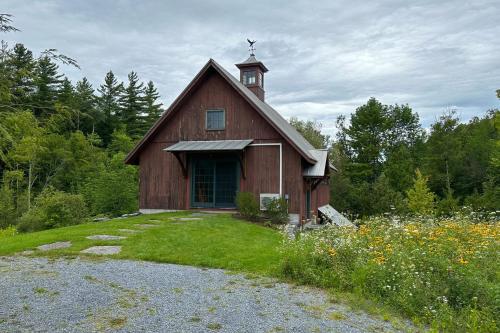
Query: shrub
pixel 114 190
pixel 7 208
pixel 277 211
pixel 420 198
pixel 247 205
pixel 54 209
pixel 443 272
pixel 7 232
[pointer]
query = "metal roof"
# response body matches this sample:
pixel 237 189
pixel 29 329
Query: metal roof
pixel 226 145
pixel 318 169
pixel 288 130
pixel 335 217
pixel 252 61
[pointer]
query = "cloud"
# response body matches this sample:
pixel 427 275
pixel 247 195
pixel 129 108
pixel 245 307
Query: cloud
pixel 324 59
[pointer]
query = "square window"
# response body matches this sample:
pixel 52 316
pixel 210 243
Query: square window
pixel 249 77
pixel 216 120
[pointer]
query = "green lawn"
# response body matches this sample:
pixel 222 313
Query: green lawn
pixel 217 240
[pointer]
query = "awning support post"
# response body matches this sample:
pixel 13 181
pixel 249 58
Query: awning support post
pixel 182 163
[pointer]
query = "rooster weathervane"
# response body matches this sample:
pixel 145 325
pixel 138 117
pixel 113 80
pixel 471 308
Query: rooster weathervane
pixel 251 48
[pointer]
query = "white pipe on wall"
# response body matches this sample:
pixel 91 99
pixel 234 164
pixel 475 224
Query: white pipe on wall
pixel 281 160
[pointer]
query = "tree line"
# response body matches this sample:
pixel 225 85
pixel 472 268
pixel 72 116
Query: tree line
pixel 62 144
pixel 387 162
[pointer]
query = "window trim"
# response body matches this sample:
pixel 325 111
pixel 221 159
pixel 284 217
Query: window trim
pixel 223 119
pixel 255 76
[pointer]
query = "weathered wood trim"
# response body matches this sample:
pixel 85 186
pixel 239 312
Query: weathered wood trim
pixel 181 157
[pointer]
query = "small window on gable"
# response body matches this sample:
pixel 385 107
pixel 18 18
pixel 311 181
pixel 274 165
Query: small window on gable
pixel 216 120
pixel 249 77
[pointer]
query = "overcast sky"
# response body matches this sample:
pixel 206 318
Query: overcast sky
pixel 325 58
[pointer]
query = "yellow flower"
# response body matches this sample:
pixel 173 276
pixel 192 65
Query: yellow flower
pixel 332 251
pixel 364 229
pixel 462 261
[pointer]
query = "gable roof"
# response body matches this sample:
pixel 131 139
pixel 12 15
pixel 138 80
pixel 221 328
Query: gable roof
pixel 279 123
pixel 318 169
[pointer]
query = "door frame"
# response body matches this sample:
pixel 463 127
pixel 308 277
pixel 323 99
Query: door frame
pixel 213 158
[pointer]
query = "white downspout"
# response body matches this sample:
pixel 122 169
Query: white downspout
pixel 281 160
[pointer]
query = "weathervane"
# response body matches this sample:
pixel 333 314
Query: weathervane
pixel 251 48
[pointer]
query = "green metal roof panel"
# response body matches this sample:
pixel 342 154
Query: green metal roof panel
pixel 218 145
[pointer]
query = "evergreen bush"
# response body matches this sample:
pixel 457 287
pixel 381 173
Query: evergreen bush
pixel 247 205
pixel 277 211
pixel 54 209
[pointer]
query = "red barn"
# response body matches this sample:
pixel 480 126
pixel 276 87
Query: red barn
pixel 220 137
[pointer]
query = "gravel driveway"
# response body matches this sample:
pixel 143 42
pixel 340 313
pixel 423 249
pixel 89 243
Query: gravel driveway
pixel 84 295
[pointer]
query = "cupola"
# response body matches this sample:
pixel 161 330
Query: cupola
pixel 252 75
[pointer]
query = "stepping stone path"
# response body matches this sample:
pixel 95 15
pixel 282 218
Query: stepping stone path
pixel 105 237
pixel 54 246
pixel 130 231
pixel 102 250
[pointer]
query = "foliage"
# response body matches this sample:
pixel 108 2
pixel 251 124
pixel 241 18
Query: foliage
pixel 441 272
pixel 8 232
pixel 247 205
pixel 277 210
pixel 378 141
pixel 311 131
pixel 421 200
pixel 7 208
pixel 114 189
pixel 54 209
pixel 54 133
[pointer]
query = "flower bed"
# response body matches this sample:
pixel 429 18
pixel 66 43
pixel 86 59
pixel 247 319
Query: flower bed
pixel 444 273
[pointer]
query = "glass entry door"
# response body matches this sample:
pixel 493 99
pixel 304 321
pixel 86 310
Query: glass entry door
pixel 214 183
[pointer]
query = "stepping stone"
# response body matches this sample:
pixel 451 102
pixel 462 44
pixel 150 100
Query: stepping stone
pixel 186 218
pixel 154 221
pixel 27 252
pixel 101 219
pixel 54 246
pixel 102 250
pixel 105 237
pixel 200 214
pixel 129 231
pixel 146 225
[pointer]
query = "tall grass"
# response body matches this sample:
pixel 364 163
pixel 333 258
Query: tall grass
pixel 7 232
pixel 444 274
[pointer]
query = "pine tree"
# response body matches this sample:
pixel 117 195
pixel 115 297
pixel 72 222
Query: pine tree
pixel 133 107
pixel 22 67
pixel 47 82
pixel 66 95
pixel 108 106
pixel 87 116
pixel 420 199
pixel 153 109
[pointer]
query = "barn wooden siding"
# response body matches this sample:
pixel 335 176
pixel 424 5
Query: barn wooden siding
pixel 320 196
pixel 162 184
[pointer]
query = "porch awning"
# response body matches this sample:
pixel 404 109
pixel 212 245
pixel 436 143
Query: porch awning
pixel 218 145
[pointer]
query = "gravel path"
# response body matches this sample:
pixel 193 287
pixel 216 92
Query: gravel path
pixel 84 295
